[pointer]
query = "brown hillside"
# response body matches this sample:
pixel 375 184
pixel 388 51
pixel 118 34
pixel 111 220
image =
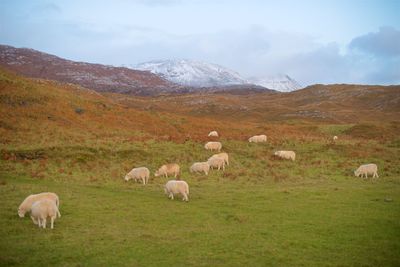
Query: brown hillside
pixel 321 103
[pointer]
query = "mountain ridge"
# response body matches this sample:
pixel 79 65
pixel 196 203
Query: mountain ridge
pixel 102 78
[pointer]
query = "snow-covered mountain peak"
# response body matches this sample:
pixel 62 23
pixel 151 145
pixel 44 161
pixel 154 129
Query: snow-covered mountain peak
pixel 192 72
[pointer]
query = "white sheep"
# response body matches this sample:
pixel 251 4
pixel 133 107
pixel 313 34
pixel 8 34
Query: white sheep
pixel 335 138
pixel 258 138
pixel 222 155
pixel 285 154
pixel 200 167
pixel 140 173
pixel 173 187
pixel 216 162
pixel 42 209
pixel 168 169
pixel 213 146
pixel 213 133
pixel 26 205
pixel 366 169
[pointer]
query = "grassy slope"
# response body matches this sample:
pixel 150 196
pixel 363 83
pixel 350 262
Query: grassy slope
pixel 260 211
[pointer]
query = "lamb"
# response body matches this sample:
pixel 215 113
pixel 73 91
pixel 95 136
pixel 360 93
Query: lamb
pixel 258 138
pixel 200 167
pixel 213 133
pixel 285 154
pixel 222 155
pixel 42 209
pixel 213 146
pixel 335 138
pixel 216 162
pixel 168 169
pixel 366 169
pixel 177 187
pixel 140 173
pixel 26 205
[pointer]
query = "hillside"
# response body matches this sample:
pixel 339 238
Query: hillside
pixel 34 109
pixel 35 64
pixel 318 103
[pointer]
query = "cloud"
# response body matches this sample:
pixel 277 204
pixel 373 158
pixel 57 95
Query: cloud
pixel 384 43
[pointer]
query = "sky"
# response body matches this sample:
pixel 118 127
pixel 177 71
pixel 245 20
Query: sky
pixel 313 41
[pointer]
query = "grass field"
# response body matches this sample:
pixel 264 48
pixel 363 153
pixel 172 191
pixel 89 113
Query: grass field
pixel 261 211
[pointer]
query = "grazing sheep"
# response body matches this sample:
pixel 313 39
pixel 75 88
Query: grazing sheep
pixel 366 169
pixel 200 167
pixel 213 146
pixel 26 205
pixel 222 155
pixel 177 187
pixel 140 173
pixel 216 162
pixel 213 133
pixel 42 209
pixel 168 169
pixel 258 138
pixel 285 154
pixel 335 138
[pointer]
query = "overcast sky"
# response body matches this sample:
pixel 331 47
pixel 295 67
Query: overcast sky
pixel 312 41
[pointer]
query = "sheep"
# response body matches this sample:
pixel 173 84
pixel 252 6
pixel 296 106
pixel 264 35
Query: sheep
pixel 216 162
pixel 213 133
pixel 177 187
pixel 42 209
pixel 222 155
pixel 213 146
pixel 168 169
pixel 367 169
pixel 26 205
pixel 200 167
pixel 140 173
pixel 258 138
pixel 285 154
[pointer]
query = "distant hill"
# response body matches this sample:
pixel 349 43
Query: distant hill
pixel 201 75
pixel 102 78
pixel 339 103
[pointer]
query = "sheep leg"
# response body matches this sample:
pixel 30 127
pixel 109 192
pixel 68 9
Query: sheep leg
pixel 58 213
pixel 377 176
pixel 52 222
pixel 185 197
pixel 171 196
pixel 34 220
pixel 44 223
pixel 39 222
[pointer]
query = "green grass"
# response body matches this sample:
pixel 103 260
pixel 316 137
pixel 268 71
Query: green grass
pixel 260 212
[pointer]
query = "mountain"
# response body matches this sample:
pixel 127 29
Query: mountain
pixel 192 73
pixel 279 82
pixel 102 78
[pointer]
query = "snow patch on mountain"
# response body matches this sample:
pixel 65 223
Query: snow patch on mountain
pixel 279 82
pixel 192 73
